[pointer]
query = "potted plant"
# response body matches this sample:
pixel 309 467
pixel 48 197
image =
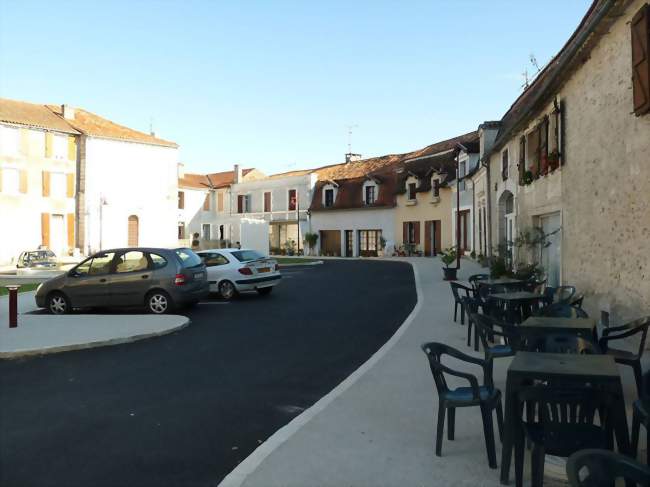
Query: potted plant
pixel 553 160
pixel 195 240
pixel 527 178
pixel 448 257
pixel 382 246
pixel 291 247
pixel 310 240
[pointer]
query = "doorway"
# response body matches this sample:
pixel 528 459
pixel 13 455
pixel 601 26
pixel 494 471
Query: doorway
pixel 432 237
pixel 349 239
pixel 58 235
pixel 551 254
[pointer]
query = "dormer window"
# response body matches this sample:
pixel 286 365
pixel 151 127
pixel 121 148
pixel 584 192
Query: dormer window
pixel 329 197
pixel 412 188
pixel 370 195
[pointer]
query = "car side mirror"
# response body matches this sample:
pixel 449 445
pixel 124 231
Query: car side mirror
pixel 73 273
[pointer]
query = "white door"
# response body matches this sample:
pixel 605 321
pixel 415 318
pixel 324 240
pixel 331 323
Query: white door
pixel 552 252
pixel 510 230
pixel 57 235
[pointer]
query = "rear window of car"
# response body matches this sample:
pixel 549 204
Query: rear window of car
pixel 158 261
pixel 188 257
pixel 246 255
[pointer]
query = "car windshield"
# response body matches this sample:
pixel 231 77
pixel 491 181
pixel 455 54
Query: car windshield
pixel 39 256
pixel 246 255
pixel 188 257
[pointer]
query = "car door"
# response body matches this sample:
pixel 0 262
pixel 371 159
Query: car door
pixel 131 279
pixel 214 263
pixel 88 284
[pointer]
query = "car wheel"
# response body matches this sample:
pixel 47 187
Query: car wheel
pixel 227 290
pixel 264 291
pixel 58 304
pixel 159 302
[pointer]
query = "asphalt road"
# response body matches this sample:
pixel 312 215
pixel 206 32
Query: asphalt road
pixel 186 408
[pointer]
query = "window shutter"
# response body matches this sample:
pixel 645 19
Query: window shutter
pixel 181 200
pixel 49 137
pixel 405 232
pixel 24 141
pixel 46 183
pixel 70 185
pixel 23 181
pixel 640 27
pixel 206 202
pixel 71 230
pixel 45 229
pixel 240 203
pixel 72 148
pixel 220 201
pixel 416 225
pixel 522 159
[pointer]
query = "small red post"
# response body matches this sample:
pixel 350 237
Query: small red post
pixel 13 305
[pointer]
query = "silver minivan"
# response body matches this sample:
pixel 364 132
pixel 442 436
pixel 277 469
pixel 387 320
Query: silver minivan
pixel 159 279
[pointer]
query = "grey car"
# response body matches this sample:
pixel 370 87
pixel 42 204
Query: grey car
pixel 159 279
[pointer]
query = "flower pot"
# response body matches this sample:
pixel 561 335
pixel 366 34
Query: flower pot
pixel 450 273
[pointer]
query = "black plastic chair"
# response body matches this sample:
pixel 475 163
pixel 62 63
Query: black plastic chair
pixel 470 307
pixel 534 286
pixel 475 279
pixel 641 416
pixel 601 468
pixel 562 421
pixel 577 300
pixel 490 306
pixel 485 396
pixel 456 289
pixel 488 328
pixel 623 357
pixel 562 310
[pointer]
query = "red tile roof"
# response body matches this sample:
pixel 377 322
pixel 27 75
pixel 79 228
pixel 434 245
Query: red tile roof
pixel 32 115
pixel 213 180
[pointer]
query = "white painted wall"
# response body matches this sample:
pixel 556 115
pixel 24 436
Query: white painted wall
pixel 361 219
pixel 133 179
pixel 254 235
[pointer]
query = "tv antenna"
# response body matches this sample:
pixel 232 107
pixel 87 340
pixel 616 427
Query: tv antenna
pixel 350 127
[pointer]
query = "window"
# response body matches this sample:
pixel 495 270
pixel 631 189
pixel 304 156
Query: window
pixel 243 203
pixel 188 257
pixel 522 158
pixel 219 201
pixel 60 147
pixel 213 259
pixel 9 141
pixel 504 164
pixel 462 171
pixel 533 142
pixel 132 261
pixel 157 261
pixel 205 231
pixel 181 230
pixel 640 36
pixel 292 200
pixel 95 266
pixel 369 242
pixel 10 180
pixel 221 232
pixel 436 187
pixel 411 190
pixel 181 200
pixel 329 197
pixel 206 202
pixel 246 255
pixel 370 194
pixel 267 202
pixel 58 185
pixel 411 232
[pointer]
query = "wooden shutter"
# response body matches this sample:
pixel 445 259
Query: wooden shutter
pixel 45 229
pixel 522 158
pixel 24 141
pixel 71 230
pixel 206 202
pixel 220 201
pixel 640 27
pixel 46 183
pixel 133 231
pixel 240 203
pixel 267 202
pixel 23 181
pixel 70 185
pixel 49 138
pixel 416 225
pixel 405 232
pixel 181 200
pixel 72 148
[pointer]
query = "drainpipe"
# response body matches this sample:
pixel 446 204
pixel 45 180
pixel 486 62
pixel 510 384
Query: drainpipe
pixel 488 230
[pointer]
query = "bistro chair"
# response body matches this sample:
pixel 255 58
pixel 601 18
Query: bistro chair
pixel 577 301
pixel 562 421
pixel 485 396
pixel 490 306
pixel 601 468
pixel 488 329
pixel 532 285
pixel 470 307
pixel 562 310
pixel 641 416
pixel 475 280
pixel 559 295
pixel 624 357
pixel 456 289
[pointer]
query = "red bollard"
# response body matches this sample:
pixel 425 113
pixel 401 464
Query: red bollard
pixel 13 305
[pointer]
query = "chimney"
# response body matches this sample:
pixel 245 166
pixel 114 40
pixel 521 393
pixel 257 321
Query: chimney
pixel 237 174
pixel 350 157
pixel 180 168
pixel 67 111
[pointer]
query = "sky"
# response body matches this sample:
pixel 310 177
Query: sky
pixel 276 84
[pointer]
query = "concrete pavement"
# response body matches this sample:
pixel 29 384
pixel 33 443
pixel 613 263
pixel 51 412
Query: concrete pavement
pixel 377 428
pixel 43 333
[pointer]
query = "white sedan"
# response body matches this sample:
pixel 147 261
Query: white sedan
pixel 231 271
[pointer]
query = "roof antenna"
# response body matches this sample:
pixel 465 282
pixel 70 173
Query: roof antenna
pixel 349 157
pixel 533 61
pixel 151 131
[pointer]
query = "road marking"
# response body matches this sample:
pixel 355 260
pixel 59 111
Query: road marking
pixel 215 302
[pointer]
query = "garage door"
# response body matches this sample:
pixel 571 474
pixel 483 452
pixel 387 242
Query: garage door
pixel 330 242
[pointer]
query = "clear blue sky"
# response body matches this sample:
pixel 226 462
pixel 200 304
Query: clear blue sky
pixel 273 84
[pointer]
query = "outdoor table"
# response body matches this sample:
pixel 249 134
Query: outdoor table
pixel 501 281
pixel 518 303
pixel 596 370
pixel 545 325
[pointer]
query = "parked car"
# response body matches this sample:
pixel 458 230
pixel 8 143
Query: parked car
pixel 42 259
pixel 231 271
pixel 159 279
